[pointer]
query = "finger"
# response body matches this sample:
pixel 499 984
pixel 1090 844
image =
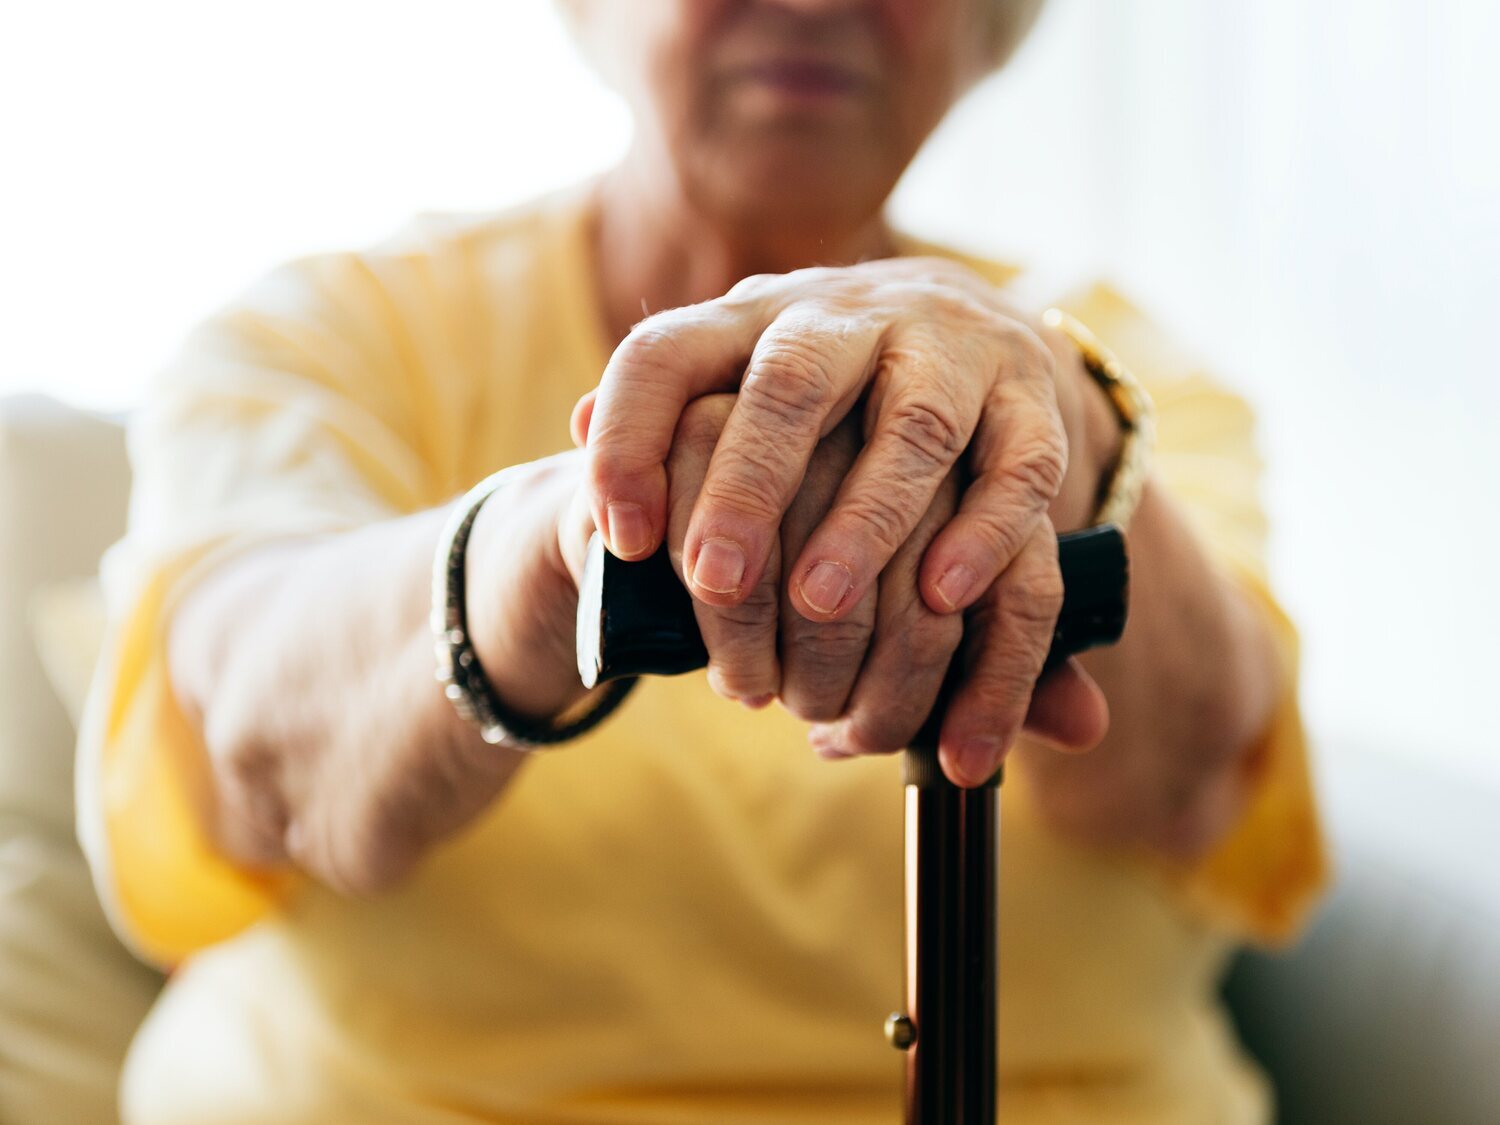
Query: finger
pixel 1068 709
pixel 667 361
pixel 741 639
pixel 821 659
pixel 909 655
pixel 1008 635
pixel 923 409
pixel 806 371
pixel 743 661
pixel 1018 459
pixel 583 413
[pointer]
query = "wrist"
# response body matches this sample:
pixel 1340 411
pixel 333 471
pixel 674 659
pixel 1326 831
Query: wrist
pixel 1095 438
pixel 522 602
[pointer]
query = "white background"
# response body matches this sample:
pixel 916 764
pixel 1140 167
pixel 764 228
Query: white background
pixel 1307 193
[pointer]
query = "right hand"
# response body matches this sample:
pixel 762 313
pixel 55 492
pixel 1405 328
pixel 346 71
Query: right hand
pixel 868 680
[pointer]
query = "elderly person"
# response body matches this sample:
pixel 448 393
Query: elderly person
pixel 380 912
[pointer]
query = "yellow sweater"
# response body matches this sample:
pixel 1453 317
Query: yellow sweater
pixel 684 917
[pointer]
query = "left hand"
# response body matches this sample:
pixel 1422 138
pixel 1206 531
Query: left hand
pixel 943 370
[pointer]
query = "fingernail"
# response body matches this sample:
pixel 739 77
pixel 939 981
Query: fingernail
pixel 826 585
pixel 954 586
pixel 977 758
pixel 720 567
pixel 629 533
pixel 758 702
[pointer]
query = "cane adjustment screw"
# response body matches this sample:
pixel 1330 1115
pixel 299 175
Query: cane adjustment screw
pixel 900 1032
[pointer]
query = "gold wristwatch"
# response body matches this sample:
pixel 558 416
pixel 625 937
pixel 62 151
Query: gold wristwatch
pixel 1132 407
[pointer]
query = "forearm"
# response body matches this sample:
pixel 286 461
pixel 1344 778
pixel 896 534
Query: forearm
pixel 1191 683
pixel 329 744
pixel 1191 687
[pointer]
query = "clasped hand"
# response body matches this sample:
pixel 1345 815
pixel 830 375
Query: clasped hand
pixel 854 470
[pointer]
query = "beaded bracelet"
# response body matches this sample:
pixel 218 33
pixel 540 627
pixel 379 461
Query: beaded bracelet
pixel 458 668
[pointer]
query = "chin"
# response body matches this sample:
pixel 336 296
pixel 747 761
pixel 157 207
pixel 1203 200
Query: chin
pixel 802 182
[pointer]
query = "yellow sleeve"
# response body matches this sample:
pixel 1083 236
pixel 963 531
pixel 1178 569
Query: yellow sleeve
pixel 293 413
pixel 1262 879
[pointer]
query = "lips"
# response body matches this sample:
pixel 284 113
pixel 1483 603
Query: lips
pixel 800 79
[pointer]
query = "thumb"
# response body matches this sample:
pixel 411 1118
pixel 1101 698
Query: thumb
pixel 1068 709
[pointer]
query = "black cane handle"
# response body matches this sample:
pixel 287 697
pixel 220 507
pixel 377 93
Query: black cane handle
pixel 636 619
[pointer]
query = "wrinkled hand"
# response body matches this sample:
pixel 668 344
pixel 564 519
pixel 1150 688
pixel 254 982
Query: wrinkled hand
pixel 945 377
pixel 869 679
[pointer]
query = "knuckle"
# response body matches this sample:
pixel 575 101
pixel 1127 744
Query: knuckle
pixel 742 652
pixel 829 644
pixel 603 466
pixel 746 625
pixel 733 680
pixel 822 662
pixel 931 642
pixel 929 432
pixel 1038 471
pixel 612 466
pixel 881 518
pixel 1001 535
pixel 368 859
pixel 1003 679
pixel 873 730
pixel 1001 700
pixel 654 342
pixel 788 380
pixel 743 490
pixel 254 816
pixel 808 703
pixel 752 288
pixel 1035 600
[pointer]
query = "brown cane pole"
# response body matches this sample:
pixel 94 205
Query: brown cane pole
pixel 637 619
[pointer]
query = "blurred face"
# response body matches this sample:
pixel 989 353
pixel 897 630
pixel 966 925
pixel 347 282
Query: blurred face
pixel 799 111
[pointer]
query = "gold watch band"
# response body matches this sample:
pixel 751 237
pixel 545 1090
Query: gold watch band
pixel 1132 406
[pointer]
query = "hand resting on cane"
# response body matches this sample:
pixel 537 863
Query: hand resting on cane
pixel 356 781
pixel 868 679
pixel 945 374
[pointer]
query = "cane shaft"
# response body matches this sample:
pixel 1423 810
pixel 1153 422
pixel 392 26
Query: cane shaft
pixel 978 1000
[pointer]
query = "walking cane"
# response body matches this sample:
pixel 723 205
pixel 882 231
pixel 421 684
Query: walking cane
pixel 637 619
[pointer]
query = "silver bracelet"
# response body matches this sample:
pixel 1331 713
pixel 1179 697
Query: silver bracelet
pixel 458 668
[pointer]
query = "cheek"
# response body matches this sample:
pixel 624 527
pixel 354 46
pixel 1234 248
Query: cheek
pixel 916 26
pixel 935 42
pixel 672 41
pixel 648 47
pixel 907 21
pixel 931 45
